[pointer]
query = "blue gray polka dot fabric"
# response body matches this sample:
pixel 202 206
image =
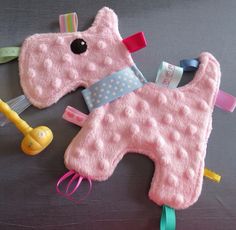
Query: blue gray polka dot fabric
pixel 113 86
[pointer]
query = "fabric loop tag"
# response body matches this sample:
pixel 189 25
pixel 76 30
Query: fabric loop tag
pixel 225 101
pixel 168 218
pixel 68 22
pixel 74 116
pixel 212 175
pixel 169 75
pixel 8 54
pixel 135 42
pixel 112 87
pixel 189 64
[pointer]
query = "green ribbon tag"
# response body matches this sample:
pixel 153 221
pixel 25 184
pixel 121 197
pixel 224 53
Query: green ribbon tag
pixel 168 220
pixel 8 54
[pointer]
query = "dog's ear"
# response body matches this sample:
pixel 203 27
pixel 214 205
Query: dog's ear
pixel 106 20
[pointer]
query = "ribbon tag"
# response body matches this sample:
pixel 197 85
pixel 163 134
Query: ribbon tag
pixel 212 175
pixel 168 219
pixel 169 75
pixel 75 177
pixel 8 54
pixel 189 65
pixel 225 101
pixel 135 42
pixel 74 116
pixel 68 22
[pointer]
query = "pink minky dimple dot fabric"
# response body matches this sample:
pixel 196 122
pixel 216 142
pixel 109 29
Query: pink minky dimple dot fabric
pixel 49 69
pixel 170 126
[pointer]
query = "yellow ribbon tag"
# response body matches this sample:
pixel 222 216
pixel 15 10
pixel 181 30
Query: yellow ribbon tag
pixel 212 175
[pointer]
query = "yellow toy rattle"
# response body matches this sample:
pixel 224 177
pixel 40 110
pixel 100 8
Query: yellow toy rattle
pixel 35 140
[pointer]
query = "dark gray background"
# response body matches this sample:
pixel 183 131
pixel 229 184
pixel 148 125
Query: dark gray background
pixel 174 30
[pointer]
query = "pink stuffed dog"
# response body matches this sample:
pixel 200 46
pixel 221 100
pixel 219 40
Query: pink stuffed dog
pixel 170 126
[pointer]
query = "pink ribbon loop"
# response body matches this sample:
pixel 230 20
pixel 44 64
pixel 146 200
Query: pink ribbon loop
pixel 68 194
pixel 64 177
pixel 75 176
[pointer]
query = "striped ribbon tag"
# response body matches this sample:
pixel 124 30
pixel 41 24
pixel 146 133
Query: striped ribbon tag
pixel 68 22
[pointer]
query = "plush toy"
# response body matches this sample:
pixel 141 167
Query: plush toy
pixel 171 126
pixel 127 114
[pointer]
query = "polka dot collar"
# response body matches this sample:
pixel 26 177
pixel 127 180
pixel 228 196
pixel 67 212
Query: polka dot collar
pixel 113 86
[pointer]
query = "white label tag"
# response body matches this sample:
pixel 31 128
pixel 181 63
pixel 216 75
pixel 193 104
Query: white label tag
pixel 169 75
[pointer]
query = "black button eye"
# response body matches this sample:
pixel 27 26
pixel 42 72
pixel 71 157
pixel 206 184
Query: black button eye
pixel 78 46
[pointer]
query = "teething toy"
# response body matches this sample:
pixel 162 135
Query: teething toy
pixel 35 140
pixel 17 104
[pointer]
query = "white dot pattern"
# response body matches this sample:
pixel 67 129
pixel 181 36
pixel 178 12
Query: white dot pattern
pixel 112 87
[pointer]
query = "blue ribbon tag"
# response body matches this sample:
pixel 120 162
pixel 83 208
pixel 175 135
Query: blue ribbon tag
pixel 189 64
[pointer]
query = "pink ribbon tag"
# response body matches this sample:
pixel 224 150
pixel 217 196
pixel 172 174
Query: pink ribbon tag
pixel 225 101
pixel 74 116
